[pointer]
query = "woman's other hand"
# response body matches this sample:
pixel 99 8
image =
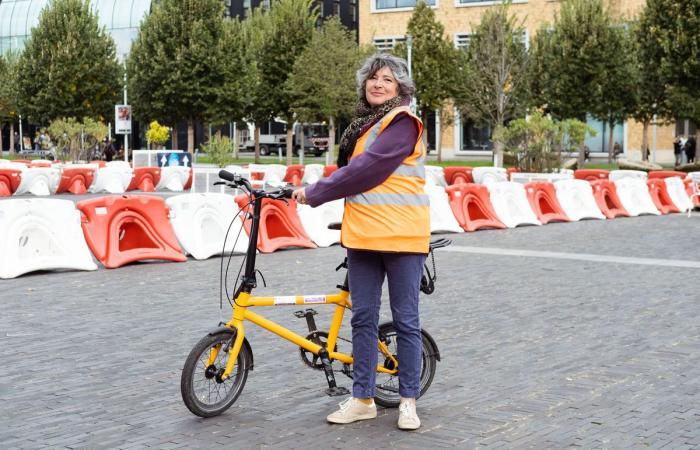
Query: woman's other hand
pixel 300 195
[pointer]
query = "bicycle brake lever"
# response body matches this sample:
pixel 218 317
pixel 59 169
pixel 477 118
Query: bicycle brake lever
pixel 217 183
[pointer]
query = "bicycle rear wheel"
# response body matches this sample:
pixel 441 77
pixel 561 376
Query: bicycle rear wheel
pixel 201 386
pixel 387 386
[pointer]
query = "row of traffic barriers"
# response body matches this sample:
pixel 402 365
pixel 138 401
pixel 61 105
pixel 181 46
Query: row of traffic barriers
pixel 43 177
pixel 121 229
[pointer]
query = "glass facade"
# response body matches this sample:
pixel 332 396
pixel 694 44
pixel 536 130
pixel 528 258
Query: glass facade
pixel 121 18
pixel 393 4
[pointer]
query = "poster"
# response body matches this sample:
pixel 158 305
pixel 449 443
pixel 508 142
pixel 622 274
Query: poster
pixel 122 119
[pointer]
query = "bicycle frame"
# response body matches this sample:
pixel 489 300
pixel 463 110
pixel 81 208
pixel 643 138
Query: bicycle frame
pixel 244 300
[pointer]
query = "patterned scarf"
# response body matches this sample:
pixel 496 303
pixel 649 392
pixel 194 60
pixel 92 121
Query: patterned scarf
pixel 365 116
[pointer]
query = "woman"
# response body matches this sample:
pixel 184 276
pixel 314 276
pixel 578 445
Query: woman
pixel 386 229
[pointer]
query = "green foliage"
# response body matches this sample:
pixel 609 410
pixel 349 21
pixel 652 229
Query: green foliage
pixel 493 71
pixel 322 84
pixel 75 139
pixel 537 141
pixel 157 134
pixel 672 44
pixel 278 37
pixel 219 150
pixel 69 66
pixel 178 66
pixel 8 86
pixel 433 58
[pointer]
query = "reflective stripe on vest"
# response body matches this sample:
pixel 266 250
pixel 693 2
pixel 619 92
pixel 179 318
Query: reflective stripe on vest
pixel 395 215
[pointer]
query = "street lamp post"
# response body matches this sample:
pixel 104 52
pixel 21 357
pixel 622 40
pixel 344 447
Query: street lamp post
pixel 409 47
pixel 126 136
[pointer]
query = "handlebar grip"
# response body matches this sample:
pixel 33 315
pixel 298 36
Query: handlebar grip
pixel 287 193
pixel 226 175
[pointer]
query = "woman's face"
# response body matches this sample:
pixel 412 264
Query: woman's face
pixel 381 86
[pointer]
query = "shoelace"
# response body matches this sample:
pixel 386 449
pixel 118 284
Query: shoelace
pixel 345 404
pixel 405 409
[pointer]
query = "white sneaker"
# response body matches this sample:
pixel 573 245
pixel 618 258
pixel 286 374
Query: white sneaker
pixel 352 410
pixel 408 418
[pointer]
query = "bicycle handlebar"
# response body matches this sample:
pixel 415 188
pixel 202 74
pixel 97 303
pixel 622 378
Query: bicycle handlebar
pixel 237 181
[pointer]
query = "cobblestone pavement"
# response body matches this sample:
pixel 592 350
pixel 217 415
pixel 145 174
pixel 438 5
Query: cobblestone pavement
pixel 539 350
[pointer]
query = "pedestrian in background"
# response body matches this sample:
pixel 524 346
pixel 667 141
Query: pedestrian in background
pixel 386 229
pixel 677 151
pixel 689 149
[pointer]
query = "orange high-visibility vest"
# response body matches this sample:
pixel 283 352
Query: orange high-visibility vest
pixel 395 215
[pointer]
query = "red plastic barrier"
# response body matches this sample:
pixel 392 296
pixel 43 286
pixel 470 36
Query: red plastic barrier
pixel 689 189
pixel 591 174
pixel 188 183
pixel 120 229
pixel 458 175
pixel 606 198
pixel 510 170
pixel 666 174
pixel 9 181
pixel 145 179
pixel 328 170
pixel 280 226
pixel 75 180
pixel 99 163
pixel 543 201
pixel 40 164
pixel 471 205
pixel 294 174
pixel 660 197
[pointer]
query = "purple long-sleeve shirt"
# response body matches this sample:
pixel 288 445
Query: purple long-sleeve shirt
pixel 371 167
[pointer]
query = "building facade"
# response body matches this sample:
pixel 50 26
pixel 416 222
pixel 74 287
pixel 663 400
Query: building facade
pixel 383 23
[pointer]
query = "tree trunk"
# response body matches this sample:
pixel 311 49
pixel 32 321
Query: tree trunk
pixel 173 137
pixel 498 154
pixel 190 135
pixel 331 141
pixel 1 140
pixel 438 140
pixel 611 138
pixel 645 140
pixel 290 142
pixel 424 118
pixel 256 140
pixel 301 144
pixel 12 137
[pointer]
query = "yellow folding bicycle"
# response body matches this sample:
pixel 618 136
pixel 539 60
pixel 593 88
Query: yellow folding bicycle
pixel 216 369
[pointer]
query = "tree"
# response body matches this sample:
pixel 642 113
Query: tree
pixel 177 67
pixel 281 36
pixel 75 139
pixel 650 81
pixel 671 26
pixel 494 73
pixel 433 61
pixel 69 66
pixel 578 65
pixel 8 94
pixel 322 84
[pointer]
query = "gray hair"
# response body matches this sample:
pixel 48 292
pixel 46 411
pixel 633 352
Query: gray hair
pixel 398 67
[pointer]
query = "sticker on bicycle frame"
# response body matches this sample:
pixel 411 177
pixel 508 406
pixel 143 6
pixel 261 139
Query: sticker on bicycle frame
pixel 285 300
pixel 314 299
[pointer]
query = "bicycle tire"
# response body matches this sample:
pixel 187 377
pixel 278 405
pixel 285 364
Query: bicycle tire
pixel 387 386
pixel 199 382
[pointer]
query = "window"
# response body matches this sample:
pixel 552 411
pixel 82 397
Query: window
pixel 475 137
pixel 353 11
pixel 387 43
pixel 336 8
pixel 685 127
pixel 393 4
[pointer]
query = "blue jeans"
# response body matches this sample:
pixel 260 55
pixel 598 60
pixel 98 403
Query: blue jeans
pixel 366 272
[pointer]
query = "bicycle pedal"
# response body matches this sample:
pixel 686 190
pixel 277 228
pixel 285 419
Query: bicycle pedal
pixel 310 311
pixel 299 314
pixel 337 391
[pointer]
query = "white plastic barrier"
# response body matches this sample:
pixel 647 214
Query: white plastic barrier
pixel 200 222
pixel 526 177
pixel 615 175
pixel 634 196
pixel 576 199
pixel 679 196
pixel 435 176
pixel 173 178
pixel 510 203
pixel 274 174
pixel 238 170
pixel 442 219
pixel 37 180
pixel 316 220
pixel 486 175
pixel 113 178
pixel 41 234
pixel 312 173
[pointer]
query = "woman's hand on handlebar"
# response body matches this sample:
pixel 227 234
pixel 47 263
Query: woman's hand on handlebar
pixel 300 195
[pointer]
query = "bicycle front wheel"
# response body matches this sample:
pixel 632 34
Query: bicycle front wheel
pixel 387 386
pixel 201 386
